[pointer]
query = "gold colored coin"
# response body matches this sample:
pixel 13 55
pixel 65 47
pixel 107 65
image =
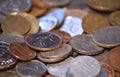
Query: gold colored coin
pixel 94 22
pixel 14 24
pixel 114 18
pixel 104 5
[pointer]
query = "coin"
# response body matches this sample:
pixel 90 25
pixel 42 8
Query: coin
pixel 84 66
pixel 14 24
pixel 72 25
pixel 10 38
pixel 21 51
pixel 102 73
pixel 8 74
pixel 6 59
pixel 65 36
pixel 104 5
pixel 32 68
pixel 114 18
pixel 48 75
pixel 94 22
pixel 2 18
pixel 44 41
pixel 11 6
pixel 113 57
pixel 113 37
pixel 83 44
pixel 117 74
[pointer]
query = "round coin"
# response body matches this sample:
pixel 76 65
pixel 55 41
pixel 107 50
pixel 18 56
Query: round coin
pixel 94 22
pixel 44 41
pixel 33 68
pixel 113 37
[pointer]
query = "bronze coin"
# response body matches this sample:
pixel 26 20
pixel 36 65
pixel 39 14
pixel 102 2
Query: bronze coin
pixel 112 34
pixel 94 22
pixel 6 59
pixel 21 51
pixel 44 41
pixel 32 68
pixel 65 36
pixel 117 74
pixel 83 44
pixel 114 18
pixel 113 57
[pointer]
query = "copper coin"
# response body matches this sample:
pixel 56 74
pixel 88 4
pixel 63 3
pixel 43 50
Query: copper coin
pixel 114 18
pixel 44 41
pixel 117 74
pixel 65 36
pixel 6 59
pixel 83 44
pixel 32 68
pixel 21 51
pixel 113 57
pixel 112 34
pixel 94 22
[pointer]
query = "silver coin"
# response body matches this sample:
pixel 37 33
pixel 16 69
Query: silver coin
pixel 11 6
pixel 72 25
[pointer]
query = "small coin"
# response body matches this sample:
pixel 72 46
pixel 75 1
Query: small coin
pixel 11 6
pixel 21 51
pixel 14 24
pixel 94 22
pixel 104 5
pixel 72 25
pixel 6 59
pixel 32 68
pixel 113 37
pixel 83 44
pixel 114 18
pixel 44 41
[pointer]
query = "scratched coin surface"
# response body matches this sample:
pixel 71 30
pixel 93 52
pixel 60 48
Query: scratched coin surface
pixel 113 37
pixel 93 22
pixel 11 6
pixel 83 44
pixel 72 25
pixel 44 41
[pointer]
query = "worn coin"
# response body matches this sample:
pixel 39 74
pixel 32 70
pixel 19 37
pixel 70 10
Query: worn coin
pixel 113 37
pixel 94 22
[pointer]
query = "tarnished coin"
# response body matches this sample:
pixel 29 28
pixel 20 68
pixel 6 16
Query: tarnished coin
pixel 8 74
pixel 114 18
pixel 44 41
pixel 112 34
pixel 11 6
pixel 104 5
pixel 94 22
pixel 59 69
pixel 15 24
pixel 21 51
pixel 72 25
pixel 32 68
pixel 83 44
pixel 84 66
pixel 65 36
pixel 10 38
pixel 6 59
pixel 113 57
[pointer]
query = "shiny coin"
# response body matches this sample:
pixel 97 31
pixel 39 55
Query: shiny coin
pixel 113 37
pixel 104 5
pixel 6 59
pixel 65 36
pixel 114 18
pixel 15 24
pixel 72 25
pixel 83 44
pixel 93 22
pixel 21 51
pixel 84 66
pixel 10 38
pixel 44 41
pixel 33 68
pixel 59 69
pixel 11 6
pixel 113 57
